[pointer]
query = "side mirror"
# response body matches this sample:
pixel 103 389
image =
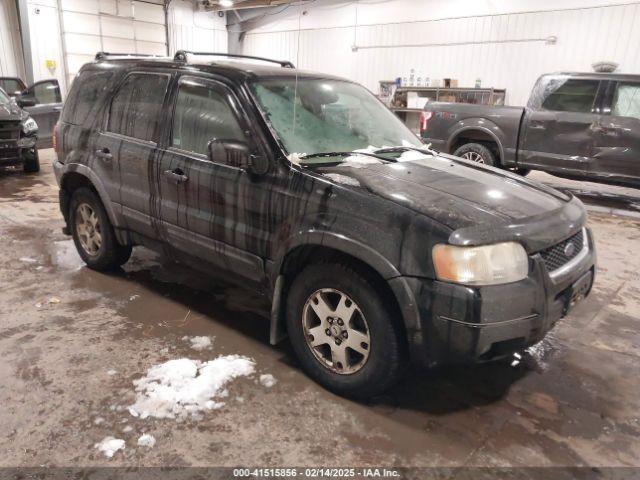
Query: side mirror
pixel 237 153
pixel 25 102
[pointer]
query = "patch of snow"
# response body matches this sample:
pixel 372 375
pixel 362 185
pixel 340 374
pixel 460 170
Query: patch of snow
pixel 27 260
pixel 111 372
pixel 109 446
pixel 343 179
pixel 127 429
pixel 198 343
pixel 296 157
pixel 134 297
pixel 268 380
pixel 410 155
pixel 98 420
pixel 183 387
pixel 146 440
pixel 48 301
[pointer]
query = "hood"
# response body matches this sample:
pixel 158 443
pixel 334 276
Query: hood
pixel 12 112
pixel 452 191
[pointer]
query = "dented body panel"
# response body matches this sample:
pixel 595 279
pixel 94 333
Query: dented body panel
pixel 387 215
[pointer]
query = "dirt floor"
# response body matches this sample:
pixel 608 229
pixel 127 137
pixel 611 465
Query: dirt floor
pixel 72 341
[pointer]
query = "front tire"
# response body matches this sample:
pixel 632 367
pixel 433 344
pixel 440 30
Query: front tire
pixel 93 233
pixel 31 162
pixel 342 331
pixel 476 152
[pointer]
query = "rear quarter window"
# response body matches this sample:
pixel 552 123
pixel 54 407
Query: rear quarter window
pixel 87 93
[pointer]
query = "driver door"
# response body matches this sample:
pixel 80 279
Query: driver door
pixel 46 111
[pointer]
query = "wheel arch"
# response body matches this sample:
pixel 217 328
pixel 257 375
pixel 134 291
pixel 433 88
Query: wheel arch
pixel 333 247
pixel 478 133
pixel 80 176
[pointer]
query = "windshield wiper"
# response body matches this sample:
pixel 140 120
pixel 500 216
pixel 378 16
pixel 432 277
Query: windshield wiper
pixel 426 150
pixel 345 154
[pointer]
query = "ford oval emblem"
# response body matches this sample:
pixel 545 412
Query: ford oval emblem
pixel 569 249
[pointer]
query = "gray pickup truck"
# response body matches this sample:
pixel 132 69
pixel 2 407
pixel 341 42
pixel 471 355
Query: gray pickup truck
pixel 575 125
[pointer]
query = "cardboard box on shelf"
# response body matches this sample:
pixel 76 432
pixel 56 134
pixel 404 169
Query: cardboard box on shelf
pixel 450 83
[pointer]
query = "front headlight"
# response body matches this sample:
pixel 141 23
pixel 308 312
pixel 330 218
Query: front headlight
pixel 29 125
pixel 486 265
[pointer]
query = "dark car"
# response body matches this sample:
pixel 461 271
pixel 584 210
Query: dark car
pixel 373 248
pixel 18 136
pixel 42 100
pixel 575 125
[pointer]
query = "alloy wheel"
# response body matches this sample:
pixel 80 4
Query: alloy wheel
pixel 88 229
pixel 473 156
pixel 336 331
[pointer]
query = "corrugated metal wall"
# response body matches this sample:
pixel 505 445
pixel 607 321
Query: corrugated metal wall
pixel 11 63
pixel 503 50
pixel 190 29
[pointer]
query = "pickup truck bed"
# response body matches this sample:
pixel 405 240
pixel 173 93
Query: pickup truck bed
pixel 453 124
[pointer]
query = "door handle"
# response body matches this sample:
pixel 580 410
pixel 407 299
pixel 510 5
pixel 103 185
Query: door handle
pixel 176 176
pixel 57 109
pixel 104 154
pixel 537 126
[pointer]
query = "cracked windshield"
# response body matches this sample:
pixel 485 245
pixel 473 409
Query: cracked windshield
pixel 330 120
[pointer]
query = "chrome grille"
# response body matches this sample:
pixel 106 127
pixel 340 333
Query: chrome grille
pixel 556 256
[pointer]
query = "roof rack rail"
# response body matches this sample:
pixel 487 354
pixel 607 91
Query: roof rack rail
pixel 104 55
pixel 181 56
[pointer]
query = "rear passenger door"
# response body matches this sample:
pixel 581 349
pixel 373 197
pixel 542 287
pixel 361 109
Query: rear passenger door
pixel 557 134
pixel 129 142
pixel 618 134
pixel 48 105
pixel 201 202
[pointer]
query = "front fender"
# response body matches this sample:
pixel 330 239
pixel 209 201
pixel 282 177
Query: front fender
pixel 338 242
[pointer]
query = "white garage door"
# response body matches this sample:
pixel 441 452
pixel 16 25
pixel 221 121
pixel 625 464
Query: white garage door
pixel 10 47
pixel 121 26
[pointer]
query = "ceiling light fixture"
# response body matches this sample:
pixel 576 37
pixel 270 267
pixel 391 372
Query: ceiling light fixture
pixel 225 3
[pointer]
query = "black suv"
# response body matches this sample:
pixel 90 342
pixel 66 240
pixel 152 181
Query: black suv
pixel 374 248
pixel 18 136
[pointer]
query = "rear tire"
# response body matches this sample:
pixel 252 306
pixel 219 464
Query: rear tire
pixel 93 233
pixel 31 162
pixel 476 152
pixel 358 329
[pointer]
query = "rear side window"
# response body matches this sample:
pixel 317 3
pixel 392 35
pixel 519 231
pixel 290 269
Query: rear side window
pixel 136 107
pixel 626 101
pixel 202 114
pixel 572 96
pixel 87 93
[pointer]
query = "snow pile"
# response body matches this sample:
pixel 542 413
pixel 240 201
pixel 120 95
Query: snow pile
pixel 268 380
pixel 343 179
pixel 198 343
pixel 109 446
pixel 146 440
pixel 183 387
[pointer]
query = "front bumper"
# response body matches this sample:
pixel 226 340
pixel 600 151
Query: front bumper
pixel 460 324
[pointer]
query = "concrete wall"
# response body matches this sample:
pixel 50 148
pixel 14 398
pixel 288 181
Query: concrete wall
pixel 501 42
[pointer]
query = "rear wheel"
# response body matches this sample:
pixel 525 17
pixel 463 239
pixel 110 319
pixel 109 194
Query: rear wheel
pixel 342 331
pixel 476 152
pixel 93 233
pixel 31 161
